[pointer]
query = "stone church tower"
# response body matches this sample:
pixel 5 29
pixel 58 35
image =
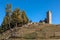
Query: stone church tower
pixel 49 17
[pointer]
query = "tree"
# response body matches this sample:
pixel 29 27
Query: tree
pixel 16 16
pixel 30 21
pixel 12 19
pixel 6 21
pixel 45 20
pixel 24 17
pixel 40 21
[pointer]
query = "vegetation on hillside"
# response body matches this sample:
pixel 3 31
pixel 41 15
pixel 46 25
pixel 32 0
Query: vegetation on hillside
pixel 14 18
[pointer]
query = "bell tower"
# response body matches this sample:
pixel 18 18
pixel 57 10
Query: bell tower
pixel 49 17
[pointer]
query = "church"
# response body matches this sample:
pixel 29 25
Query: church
pixel 48 18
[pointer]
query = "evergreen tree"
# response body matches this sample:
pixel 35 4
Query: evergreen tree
pixel 16 17
pixel 24 17
pixel 12 19
pixel 5 24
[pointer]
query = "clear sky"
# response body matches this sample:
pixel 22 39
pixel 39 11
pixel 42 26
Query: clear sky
pixel 35 9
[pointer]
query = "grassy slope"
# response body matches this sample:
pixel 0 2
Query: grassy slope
pixel 35 31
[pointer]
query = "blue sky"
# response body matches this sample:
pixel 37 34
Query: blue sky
pixel 35 9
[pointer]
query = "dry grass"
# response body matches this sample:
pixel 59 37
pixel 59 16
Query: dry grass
pixel 34 32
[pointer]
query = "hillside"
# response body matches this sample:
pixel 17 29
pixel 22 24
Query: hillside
pixel 32 31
